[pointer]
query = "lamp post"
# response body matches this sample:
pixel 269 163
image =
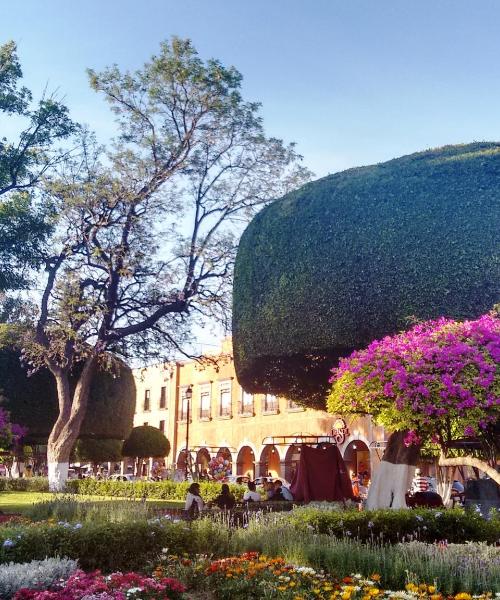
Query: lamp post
pixel 188 394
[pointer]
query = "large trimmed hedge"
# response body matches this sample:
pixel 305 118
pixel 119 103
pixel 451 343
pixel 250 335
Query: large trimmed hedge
pixel 353 256
pixel 32 401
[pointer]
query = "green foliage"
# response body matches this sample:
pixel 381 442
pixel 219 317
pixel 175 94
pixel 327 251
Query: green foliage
pixel 106 546
pixel 26 484
pixel 353 256
pixel 393 526
pixel 144 442
pixel 98 451
pixel 32 401
pixel 161 490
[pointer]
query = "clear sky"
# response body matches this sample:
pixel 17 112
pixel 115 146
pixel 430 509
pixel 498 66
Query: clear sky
pixel 352 82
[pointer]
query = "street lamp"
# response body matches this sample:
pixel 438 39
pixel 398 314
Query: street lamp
pixel 188 394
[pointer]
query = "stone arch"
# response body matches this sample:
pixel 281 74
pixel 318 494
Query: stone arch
pixel 357 458
pixel 202 460
pixel 245 462
pixel 292 458
pixel 270 461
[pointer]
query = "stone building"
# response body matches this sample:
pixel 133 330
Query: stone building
pixel 259 434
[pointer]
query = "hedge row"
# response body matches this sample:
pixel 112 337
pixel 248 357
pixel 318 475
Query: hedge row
pixel 161 490
pixel 392 526
pixel 106 546
pixel 32 484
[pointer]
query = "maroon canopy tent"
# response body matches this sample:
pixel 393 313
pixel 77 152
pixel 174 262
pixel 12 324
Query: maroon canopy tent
pixel 321 475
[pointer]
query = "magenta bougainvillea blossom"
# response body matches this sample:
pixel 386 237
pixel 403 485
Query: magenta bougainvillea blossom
pixel 440 380
pixel 11 434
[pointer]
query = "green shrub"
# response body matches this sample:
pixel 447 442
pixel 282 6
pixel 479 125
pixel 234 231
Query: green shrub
pixel 392 526
pixel 31 484
pixel 105 546
pixel 161 490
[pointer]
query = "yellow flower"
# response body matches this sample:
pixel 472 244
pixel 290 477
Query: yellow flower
pixel 463 596
pixel 281 588
pixel 431 589
pixel 346 596
pixel 373 591
pixel 411 587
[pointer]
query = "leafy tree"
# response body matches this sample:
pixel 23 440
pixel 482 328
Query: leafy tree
pixel 145 442
pixel 146 238
pixel 24 226
pixel 97 451
pixel 25 160
pixel 439 381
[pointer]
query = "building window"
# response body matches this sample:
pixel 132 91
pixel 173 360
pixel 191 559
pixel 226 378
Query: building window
pixel 163 397
pixel 225 399
pixel 270 403
pixel 291 405
pixel 162 426
pixel 184 406
pixel 246 406
pixel 147 400
pixel 205 402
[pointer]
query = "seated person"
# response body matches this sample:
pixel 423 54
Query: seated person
pixel 194 502
pixel 457 487
pixel 251 495
pixel 268 489
pixel 225 499
pixel 281 492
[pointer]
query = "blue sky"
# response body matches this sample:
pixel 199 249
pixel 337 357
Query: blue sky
pixel 352 82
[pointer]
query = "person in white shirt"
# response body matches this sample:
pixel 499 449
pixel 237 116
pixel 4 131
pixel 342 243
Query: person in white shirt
pixel 194 502
pixel 251 495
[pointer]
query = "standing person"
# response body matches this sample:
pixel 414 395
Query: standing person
pixel 194 502
pixel 251 495
pixel 225 499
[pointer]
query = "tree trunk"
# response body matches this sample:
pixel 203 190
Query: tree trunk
pixel 394 475
pixel 66 429
pixel 470 461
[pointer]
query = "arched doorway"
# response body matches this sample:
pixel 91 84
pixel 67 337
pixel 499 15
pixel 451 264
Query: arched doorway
pixel 202 460
pixel 357 460
pixel 270 462
pixel 226 455
pixel 245 462
pixel 292 459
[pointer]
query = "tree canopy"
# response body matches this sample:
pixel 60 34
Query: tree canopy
pixel 146 442
pixel 32 400
pixel 98 451
pixel 439 381
pixel 356 256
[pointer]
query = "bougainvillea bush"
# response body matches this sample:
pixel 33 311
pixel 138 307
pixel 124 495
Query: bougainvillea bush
pixel 440 381
pixel 117 586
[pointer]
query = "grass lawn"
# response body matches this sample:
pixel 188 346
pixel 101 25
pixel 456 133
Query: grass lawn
pixel 20 502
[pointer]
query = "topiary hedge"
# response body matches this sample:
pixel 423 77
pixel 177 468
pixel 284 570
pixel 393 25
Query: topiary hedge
pixel 32 401
pixel 161 490
pixel 353 256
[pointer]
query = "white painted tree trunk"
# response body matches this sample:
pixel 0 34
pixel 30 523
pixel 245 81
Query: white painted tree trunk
pixel 444 481
pixel 389 486
pixel 72 409
pixel 58 475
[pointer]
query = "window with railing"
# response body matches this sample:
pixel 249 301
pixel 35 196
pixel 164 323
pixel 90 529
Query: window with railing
pixel 246 403
pixel 163 397
pixel 270 403
pixel 185 408
pixel 205 402
pixel 147 400
pixel 225 399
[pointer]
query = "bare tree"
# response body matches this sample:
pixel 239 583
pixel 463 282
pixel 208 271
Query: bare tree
pixel 146 233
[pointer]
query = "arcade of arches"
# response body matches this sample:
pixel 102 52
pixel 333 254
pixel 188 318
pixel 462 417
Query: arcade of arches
pixel 225 421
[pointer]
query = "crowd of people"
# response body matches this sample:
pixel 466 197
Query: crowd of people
pixel 274 491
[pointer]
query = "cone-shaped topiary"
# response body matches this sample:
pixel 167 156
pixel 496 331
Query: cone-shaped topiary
pixel 354 256
pixel 32 401
pixel 144 442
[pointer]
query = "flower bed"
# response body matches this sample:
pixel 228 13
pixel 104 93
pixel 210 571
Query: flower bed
pixel 117 586
pixel 260 577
